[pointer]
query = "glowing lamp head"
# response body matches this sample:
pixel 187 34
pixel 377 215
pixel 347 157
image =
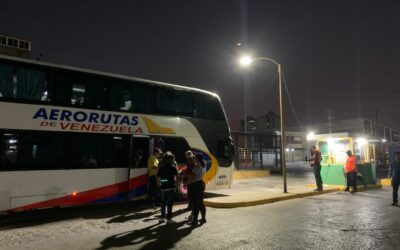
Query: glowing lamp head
pixel 361 141
pixel 74 193
pixel 245 60
pixel 310 136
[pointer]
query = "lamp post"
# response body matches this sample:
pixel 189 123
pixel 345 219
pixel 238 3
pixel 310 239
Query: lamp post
pixel 247 60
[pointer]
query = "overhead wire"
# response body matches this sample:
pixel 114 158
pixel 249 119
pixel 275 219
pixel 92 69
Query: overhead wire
pixel 291 103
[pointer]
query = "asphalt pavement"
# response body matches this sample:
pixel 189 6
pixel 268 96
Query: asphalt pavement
pixel 331 221
pixel 338 220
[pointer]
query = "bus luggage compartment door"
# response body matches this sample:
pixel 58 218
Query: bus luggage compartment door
pixel 4 200
pixel 138 173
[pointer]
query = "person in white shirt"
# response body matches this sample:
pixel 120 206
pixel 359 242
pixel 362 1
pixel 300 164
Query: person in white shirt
pixel 197 192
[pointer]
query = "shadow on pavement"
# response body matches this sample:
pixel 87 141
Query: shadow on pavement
pixel 129 216
pixel 157 236
pixel 213 195
pixel 124 211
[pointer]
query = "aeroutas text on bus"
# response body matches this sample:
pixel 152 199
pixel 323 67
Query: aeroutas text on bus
pixel 70 120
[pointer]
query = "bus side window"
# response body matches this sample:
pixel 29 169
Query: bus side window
pixel 116 148
pixel 31 84
pixel 63 89
pixel 78 94
pixel 8 151
pixel 140 152
pixel 207 107
pixel 174 102
pixel 23 83
pixel 80 90
pixel 177 145
pixel 96 93
pixel 120 97
pixel 6 81
pixel 131 97
pixel 143 98
pixel 98 151
pixel 90 94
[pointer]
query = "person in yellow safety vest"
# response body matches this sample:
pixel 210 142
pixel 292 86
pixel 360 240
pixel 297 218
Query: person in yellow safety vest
pixel 153 190
pixel 351 172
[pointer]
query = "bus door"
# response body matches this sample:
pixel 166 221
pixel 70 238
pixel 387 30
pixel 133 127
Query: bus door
pixel 139 153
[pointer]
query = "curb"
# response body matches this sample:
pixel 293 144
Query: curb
pixel 265 201
pixel 209 203
pixel 386 182
pixel 359 188
pixel 248 174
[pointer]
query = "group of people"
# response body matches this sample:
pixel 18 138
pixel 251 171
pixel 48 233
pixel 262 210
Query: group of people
pixel 352 174
pixel 163 175
pixel 350 169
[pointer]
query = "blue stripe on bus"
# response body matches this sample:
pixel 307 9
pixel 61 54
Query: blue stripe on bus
pixel 114 198
pixel 137 192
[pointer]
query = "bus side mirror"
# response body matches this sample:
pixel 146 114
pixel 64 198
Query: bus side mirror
pixel 226 149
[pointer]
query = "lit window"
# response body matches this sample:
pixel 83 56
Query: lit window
pixel 78 94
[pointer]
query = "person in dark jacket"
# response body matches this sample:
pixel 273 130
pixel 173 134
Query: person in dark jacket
pixel 395 173
pixel 166 178
pixel 316 164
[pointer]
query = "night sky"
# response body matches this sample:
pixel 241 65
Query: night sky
pixel 343 55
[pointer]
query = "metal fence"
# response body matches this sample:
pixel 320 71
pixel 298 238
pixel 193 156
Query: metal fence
pixel 256 151
pixel 257 159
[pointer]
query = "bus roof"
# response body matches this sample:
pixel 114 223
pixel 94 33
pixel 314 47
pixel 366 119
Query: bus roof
pixel 100 73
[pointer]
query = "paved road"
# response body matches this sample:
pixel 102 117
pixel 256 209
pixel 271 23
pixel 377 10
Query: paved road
pixel 332 221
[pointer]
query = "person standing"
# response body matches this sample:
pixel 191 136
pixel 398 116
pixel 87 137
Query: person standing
pixel 187 176
pixel 316 164
pixel 395 174
pixel 351 172
pixel 197 190
pixel 153 191
pixel 166 181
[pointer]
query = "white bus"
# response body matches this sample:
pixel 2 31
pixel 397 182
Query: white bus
pixel 72 136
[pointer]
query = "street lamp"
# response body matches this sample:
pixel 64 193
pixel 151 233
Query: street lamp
pixel 247 60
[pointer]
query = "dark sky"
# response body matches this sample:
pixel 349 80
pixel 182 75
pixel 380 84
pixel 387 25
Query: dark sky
pixel 338 54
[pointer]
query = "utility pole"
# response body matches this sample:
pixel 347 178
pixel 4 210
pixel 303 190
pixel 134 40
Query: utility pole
pixel 330 118
pixel 377 123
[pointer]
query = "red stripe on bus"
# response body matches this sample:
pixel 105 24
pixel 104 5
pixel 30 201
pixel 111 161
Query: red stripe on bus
pixel 80 198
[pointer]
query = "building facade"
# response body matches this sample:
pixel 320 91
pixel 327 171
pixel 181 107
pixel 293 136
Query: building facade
pixel 12 46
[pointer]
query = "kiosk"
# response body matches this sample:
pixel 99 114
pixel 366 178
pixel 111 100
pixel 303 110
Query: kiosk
pixel 333 149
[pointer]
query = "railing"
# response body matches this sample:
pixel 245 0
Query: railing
pixel 257 158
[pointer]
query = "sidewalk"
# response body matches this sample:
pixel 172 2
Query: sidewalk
pixel 257 191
